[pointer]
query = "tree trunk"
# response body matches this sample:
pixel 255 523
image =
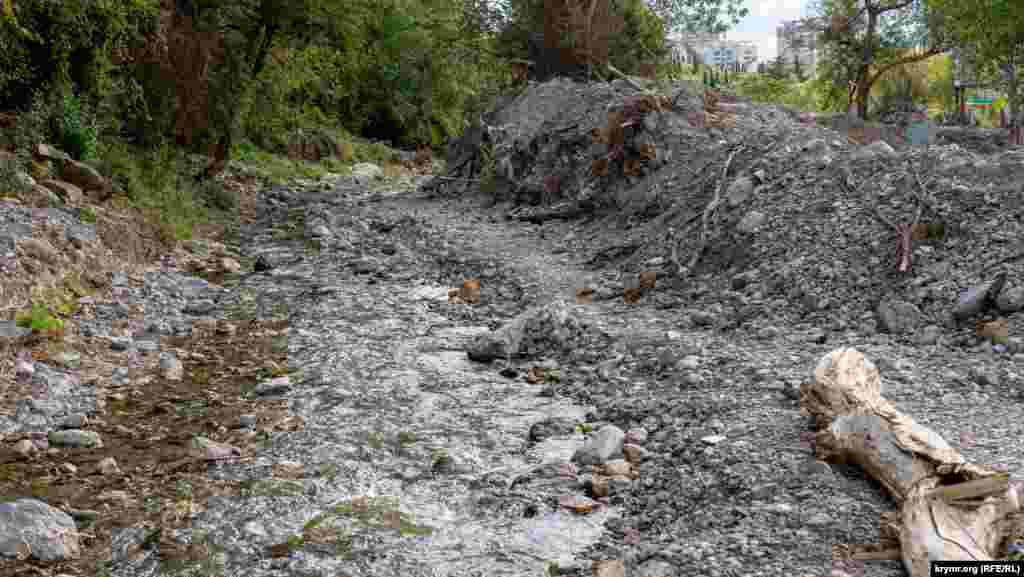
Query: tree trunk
pixel 221 151
pixel 1015 124
pixel 950 510
pixel 863 86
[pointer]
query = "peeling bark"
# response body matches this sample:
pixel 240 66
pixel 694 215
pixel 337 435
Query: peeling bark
pixel 948 509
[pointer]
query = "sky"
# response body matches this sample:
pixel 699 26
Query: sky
pixel 765 16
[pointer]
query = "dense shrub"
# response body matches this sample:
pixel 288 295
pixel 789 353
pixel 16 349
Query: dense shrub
pixel 73 129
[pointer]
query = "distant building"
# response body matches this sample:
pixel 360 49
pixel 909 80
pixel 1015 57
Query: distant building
pixel 746 54
pixel 688 49
pixel 798 41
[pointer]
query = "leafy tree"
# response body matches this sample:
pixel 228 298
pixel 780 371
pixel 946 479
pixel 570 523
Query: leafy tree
pixel 995 29
pixel 642 38
pixel 777 70
pixel 699 15
pixel 67 45
pixel 798 68
pixel 862 39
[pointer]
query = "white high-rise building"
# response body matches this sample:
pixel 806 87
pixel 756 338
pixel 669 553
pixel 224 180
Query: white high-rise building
pixel 690 48
pixel 798 41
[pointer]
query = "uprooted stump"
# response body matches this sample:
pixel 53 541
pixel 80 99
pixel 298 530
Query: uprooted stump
pixel 950 510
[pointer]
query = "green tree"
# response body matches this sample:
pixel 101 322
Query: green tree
pixel 67 46
pixel 798 68
pixel 995 30
pixel 873 39
pixel 643 39
pixel 699 15
pixel 777 70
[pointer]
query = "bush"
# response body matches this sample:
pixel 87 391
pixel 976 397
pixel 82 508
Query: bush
pixel 11 183
pixel 74 130
pixel 33 126
pixel 217 196
pixel 762 88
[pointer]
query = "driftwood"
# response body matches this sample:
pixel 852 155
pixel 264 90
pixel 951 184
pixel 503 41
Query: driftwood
pixel 949 509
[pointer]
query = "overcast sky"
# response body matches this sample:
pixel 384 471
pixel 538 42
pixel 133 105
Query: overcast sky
pixel 765 16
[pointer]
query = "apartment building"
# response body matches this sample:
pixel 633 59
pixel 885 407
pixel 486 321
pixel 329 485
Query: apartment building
pixel 797 41
pixel 690 48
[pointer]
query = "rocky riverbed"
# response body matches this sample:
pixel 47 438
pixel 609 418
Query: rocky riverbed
pixel 326 394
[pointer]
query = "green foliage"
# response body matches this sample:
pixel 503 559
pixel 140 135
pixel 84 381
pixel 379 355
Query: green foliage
pixel 993 28
pixel 34 125
pixel 15 58
pixel 642 40
pixel 709 15
pixel 87 215
pixel 74 130
pixel 66 42
pixel 762 88
pixel 38 319
pixel 161 179
pixel 245 151
pixel 11 184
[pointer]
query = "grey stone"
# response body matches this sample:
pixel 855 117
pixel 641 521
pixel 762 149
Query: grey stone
pixel 739 191
pixel 1011 300
pixel 75 438
pixel 977 298
pixel 28 526
pixel 606 444
pixel 655 568
pixel 364 173
pixel 120 343
pixel 896 316
pixel 929 335
pixel 752 221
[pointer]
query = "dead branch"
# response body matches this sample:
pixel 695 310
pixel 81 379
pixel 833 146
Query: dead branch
pixel 922 196
pixel 709 209
pixel 950 510
pixel 628 80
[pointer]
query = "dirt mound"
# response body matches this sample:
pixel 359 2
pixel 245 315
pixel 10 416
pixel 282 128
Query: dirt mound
pixel 753 208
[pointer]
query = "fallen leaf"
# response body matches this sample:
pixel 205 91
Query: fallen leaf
pixel 535 375
pixel 584 296
pixel 631 167
pixel 393 519
pixel 599 167
pixel 609 568
pixel 997 329
pixel 632 295
pixel 360 504
pixel 280 550
pixel 919 231
pixel 470 291
pixel 576 503
pixel 616 136
pixel 647 279
pixel 648 151
pixel 423 155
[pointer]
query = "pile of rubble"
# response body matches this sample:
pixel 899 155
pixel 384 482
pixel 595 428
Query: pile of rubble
pixel 750 209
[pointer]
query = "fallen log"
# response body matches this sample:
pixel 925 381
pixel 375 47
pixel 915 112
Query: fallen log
pixel 949 510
